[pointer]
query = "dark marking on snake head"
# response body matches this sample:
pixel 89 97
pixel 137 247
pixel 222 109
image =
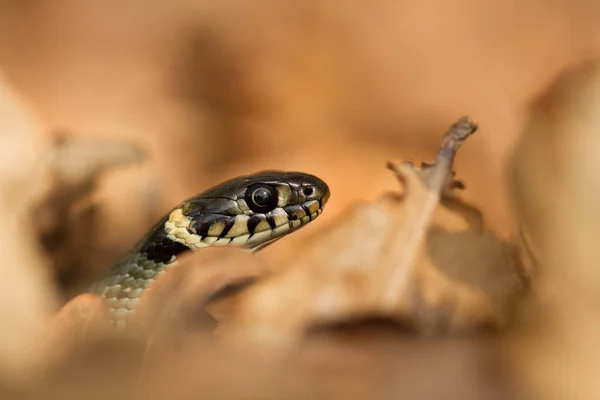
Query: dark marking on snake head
pixel 197 207
pixel 228 226
pixel 294 211
pixel 271 221
pixel 307 211
pixel 253 222
pixel 160 249
pixel 203 223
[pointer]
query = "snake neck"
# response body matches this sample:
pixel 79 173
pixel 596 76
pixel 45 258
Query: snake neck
pixel 125 282
pixel 124 286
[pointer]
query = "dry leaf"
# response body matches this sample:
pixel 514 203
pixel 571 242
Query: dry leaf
pixel 27 299
pixel 177 300
pixel 187 300
pixel 45 199
pixel 81 321
pixel 557 192
pixel 435 268
pixel 67 216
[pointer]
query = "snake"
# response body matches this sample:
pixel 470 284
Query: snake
pixel 248 212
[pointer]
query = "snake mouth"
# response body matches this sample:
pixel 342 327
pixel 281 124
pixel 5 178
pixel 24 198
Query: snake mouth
pixel 243 231
pixel 260 240
pixel 284 225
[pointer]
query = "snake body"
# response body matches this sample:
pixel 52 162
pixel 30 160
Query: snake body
pixel 246 212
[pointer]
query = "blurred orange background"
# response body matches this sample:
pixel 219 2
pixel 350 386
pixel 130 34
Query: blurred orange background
pixel 216 89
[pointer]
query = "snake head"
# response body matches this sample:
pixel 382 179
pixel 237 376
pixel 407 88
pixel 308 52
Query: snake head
pixel 247 212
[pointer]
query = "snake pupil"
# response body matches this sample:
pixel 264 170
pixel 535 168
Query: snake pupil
pixel 261 197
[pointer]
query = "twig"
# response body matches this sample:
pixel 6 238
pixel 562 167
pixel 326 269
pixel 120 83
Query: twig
pixel 406 241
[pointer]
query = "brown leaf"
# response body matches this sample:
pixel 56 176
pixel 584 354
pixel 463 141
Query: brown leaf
pixel 177 300
pixel 557 191
pixel 27 299
pixel 76 161
pixel 67 216
pixel 45 197
pixel 404 257
pixel 83 319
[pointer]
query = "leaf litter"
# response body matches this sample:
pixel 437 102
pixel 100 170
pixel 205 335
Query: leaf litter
pixel 420 258
pixel 407 257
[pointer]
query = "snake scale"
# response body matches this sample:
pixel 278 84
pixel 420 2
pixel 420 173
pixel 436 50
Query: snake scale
pixel 247 212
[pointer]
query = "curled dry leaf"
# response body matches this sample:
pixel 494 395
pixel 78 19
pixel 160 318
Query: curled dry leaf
pixel 423 258
pixel 65 224
pixel 178 298
pixel 172 309
pixel 48 200
pixel 80 321
pixel 557 191
pixel 27 300
pixel 77 162
pixel 66 216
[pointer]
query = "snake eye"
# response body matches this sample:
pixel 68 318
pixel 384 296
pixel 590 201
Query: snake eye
pixel 261 198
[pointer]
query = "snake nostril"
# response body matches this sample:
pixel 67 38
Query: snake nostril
pixel 307 191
